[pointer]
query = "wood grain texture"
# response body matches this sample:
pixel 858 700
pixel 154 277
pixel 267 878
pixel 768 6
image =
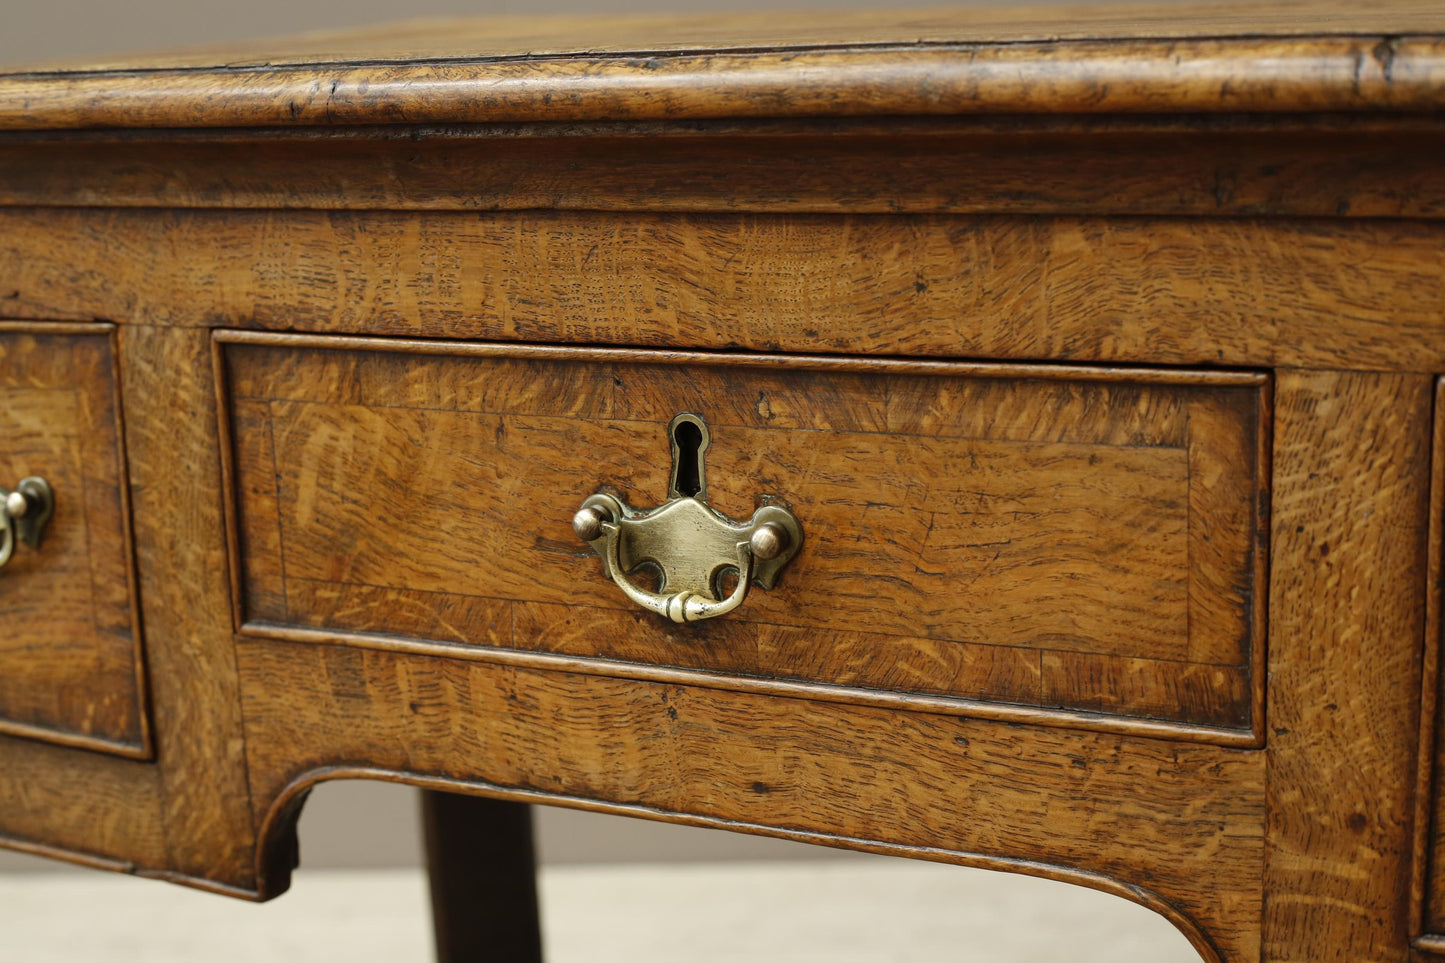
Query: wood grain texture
pixel 71 664
pixel 1182 822
pixel 1347 617
pixel 80 805
pixel 1111 524
pixel 180 537
pixel 1239 74
pixel 1355 166
pixel 869 219
pixel 1359 295
pixel 184 817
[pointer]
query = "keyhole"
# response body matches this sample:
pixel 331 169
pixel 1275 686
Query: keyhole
pixel 689 442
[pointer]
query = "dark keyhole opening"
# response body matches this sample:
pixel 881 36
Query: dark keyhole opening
pixel 688 438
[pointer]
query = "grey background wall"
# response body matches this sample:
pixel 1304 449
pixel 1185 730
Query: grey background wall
pixel 48 30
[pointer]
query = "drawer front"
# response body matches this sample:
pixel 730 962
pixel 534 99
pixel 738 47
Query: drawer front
pixel 70 659
pixel 1069 544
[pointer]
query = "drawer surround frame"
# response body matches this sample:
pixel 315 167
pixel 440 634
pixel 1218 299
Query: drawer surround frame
pixel 1251 737
pixel 281 791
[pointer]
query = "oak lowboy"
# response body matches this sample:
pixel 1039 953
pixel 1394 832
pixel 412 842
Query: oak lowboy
pixel 1001 439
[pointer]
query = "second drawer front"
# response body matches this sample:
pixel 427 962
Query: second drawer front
pixel 70 653
pixel 1067 539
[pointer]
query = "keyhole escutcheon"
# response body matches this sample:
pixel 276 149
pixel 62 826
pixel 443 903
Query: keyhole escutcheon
pixel 690 440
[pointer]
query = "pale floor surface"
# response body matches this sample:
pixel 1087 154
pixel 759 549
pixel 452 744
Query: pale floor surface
pixel 843 911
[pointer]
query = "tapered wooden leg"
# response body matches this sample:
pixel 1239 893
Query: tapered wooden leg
pixel 483 879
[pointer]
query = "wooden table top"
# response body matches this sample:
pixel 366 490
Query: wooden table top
pixel 1291 56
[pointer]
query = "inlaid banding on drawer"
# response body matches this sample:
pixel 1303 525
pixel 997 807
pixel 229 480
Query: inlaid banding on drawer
pixel 71 661
pixel 1076 540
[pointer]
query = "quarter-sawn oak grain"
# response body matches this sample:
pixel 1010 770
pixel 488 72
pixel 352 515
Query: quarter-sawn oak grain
pixel 1181 823
pixel 1359 295
pixel 70 654
pixel 182 563
pixel 1072 543
pixel 1139 189
pixel 1351 468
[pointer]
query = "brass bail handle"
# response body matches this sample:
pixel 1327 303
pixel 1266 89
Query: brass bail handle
pixel 24 513
pixel 691 546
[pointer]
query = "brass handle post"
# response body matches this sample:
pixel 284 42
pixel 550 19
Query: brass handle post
pixel 24 514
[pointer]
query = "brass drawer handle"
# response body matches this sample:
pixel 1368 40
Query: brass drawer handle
pixel 689 544
pixel 24 513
